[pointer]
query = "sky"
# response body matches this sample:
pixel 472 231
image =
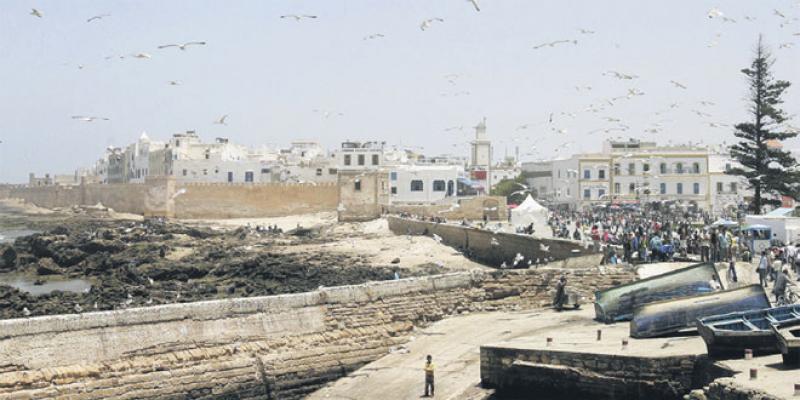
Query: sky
pixel 411 88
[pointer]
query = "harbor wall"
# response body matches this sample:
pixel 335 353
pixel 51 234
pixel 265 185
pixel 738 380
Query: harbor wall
pixel 496 248
pixel 276 347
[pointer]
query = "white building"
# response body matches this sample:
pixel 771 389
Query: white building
pixel 727 191
pixel 353 156
pixel 423 183
pixel 307 161
pixel 627 171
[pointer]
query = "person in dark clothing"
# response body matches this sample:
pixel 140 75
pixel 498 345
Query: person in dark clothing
pixel 558 299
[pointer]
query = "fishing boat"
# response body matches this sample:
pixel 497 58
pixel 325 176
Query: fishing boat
pixel 731 334
pixel 672 316
pixel 618 303
pixel 787 335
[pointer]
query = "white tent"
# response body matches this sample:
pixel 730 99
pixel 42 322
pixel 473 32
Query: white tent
pixel 530 211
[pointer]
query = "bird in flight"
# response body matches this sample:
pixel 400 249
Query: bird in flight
pixel 98 17
pixel 298 17
pixel 585 31
pixel 142 55
pixel 36 13
pixel 174 83
pixel 327 114
pixel 620 75
pixel 182 46
pixel 715 13
pixel 373 36
pixel 678 84
pixel 787 45
pixel 778 13
pixel 221 120
pixel 89 119
pixel 428 22
pixel 475 4
pixel 554 43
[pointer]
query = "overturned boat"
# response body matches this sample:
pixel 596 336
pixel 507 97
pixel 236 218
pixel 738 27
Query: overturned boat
pixel 787 336
pixel 672 316
pixel 618 303
pixel 731 334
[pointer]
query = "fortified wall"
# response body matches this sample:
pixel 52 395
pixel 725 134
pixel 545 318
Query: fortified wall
pixel 495 248
pixel 165 197
pixel 277 347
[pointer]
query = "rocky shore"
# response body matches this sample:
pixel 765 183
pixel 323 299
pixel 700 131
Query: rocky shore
pixel 142 263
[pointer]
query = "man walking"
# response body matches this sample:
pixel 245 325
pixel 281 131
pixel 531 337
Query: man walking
pixel 429 376
pixel 763 265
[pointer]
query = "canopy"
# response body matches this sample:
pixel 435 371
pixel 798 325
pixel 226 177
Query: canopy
pixel 530 211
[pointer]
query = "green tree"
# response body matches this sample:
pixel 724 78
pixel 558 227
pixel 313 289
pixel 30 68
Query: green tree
pixel 767 168
pixel 515 190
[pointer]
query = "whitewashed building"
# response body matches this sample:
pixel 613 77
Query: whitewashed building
pixel 423 183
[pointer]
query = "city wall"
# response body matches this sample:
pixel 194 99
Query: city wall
pixel 277 347
pixel 164 197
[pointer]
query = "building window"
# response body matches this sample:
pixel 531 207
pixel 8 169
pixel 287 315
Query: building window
pixel 727 167
pixel 265 170
pixel 616 187
pixel 679 188
pixel 347 159
pixel 679 168
pixel 646 167
pixel 631 188
pixel 451 187
pixel 393 176
pixel 662 168
pixel 663 188
pixel 394 189
pixel 360 159
pixel 601 174
pixel 616 169
pixel 696 168
pixel 719 187
pixel 185 172
pixel 696 188
pixel 357 185
pixel 601 193
pixel 416 186
pixel 733 187
pixel 319 171
pixel 248 176
pixel 208 156
pixel 439 186
pixel 332 171
pixel 631 169
pixel 230 176
pixel 205 171
pixel 375 159
pixel 587 174
pixel 587 194
pixel 559 173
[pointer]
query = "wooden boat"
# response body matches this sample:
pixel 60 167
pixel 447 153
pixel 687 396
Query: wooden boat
pixel 618 303
pixel 730 334
pixel 672 316
pixel 787 336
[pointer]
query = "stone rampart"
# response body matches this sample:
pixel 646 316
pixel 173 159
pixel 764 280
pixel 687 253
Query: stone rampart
pixel 277 347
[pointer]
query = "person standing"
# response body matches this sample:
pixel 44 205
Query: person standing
pixel 705 247
pixel 732 277
pixel 763 265
pixel 780 283
pixel 429 367
pixel 558 299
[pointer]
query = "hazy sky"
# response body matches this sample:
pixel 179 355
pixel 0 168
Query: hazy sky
pixel 269 73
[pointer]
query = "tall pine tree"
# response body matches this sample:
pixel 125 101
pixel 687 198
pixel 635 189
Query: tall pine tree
pixel 769 170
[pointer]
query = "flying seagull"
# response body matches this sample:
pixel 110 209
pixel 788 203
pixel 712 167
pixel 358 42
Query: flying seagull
pixel 373 36
pixel 222 119
pixel 142 55
pixel 585 31
pixel 619 75
pixel 89 118
pixel 427 23
pixel 174 83
pixel 554 43
pixel 714 13
pixel 678 84
pixel 36 13
pixel 182 46
pixel 778 13
pixel 298 17
pixel 98 17
pixel 475 4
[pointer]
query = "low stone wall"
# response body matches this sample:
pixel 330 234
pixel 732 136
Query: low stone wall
pixel 726 389
pixel 277 347
pixel 495 208
pixel 496 248
pixel 589 375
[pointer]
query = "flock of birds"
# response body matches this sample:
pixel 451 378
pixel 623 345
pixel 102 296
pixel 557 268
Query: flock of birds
pixel 556 123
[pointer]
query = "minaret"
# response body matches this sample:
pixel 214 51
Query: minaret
pixel 482 152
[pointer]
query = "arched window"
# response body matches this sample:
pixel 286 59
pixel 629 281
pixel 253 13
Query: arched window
pixel 663 168
pixel 696 168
